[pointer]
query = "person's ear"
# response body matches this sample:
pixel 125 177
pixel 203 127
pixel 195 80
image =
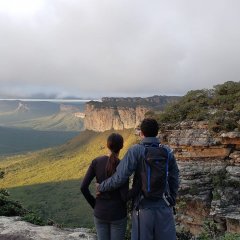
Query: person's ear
pixel 141 134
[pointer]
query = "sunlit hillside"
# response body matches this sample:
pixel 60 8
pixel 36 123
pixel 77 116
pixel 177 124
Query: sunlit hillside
pixel 62 121
pixel 48 181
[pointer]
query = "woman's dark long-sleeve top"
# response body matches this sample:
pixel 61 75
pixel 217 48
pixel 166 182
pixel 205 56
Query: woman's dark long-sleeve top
pixel 109 206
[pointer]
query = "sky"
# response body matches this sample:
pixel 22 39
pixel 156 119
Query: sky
pixel 92 48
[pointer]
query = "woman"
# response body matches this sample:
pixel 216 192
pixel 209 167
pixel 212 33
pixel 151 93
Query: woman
pixel 110 211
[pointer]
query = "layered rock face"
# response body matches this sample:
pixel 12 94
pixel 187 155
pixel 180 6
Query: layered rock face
pixel 210 176
pixel 100 119
pixel 15 229
pixel 120 113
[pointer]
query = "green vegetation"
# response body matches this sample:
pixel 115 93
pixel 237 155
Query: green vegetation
pixel 15 140
pixel 48 181
pixel 181 205
pixel 34 219
pixel 9 207
pixel 220 106
pixel 210 231
pixel 230 236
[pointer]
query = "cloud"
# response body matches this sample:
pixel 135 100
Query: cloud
pixel 107 48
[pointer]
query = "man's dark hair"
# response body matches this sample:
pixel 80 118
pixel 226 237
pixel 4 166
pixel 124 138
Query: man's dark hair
pixel 149 127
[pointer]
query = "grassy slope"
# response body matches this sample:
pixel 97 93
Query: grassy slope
pixel 48 181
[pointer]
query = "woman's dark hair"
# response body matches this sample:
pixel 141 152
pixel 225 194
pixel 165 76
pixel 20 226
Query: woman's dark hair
pixel 114 144
pixel 149 127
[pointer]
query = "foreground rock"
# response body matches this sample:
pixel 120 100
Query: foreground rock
pixel 12 228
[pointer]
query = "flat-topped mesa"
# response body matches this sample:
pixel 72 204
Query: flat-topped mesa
pixel 121 113
pixel 210 176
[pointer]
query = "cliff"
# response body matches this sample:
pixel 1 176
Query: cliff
pixel 210 176
pixel 117 118
pixel 121 113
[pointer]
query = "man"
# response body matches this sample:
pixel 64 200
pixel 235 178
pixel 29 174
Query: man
pixel 152 219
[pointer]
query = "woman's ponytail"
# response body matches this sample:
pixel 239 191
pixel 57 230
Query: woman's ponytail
pixel 114 144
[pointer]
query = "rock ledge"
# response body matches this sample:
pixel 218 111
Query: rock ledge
pixel 12 228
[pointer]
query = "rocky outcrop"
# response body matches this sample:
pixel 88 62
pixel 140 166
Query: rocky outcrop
pixel 210 176
pixel 12 228
pixel 100 119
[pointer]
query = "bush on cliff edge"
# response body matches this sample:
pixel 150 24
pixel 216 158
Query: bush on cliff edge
pixel 220 106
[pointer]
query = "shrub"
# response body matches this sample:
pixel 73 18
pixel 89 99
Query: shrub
pixel 34 219
pixel 9 207
pixel 219 105
pixel 210 231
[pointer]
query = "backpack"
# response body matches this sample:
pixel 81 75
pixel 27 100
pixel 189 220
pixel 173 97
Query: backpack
pixel 154 171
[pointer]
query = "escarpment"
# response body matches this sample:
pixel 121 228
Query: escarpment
pixel 210 176
pixel 117 118
pixel 121 113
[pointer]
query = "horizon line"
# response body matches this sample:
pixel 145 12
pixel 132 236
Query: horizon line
pixel 48 99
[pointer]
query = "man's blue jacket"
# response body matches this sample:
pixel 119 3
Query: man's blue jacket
pixel 129 165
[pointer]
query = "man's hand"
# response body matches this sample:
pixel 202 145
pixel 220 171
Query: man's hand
pixel 97 191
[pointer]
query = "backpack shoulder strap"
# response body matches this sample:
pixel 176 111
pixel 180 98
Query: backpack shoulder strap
pixel 169 151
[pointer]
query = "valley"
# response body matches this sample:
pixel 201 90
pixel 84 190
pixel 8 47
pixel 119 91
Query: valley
pixel 34 125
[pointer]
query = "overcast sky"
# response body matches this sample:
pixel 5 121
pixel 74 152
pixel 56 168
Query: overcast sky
pixel 96 48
